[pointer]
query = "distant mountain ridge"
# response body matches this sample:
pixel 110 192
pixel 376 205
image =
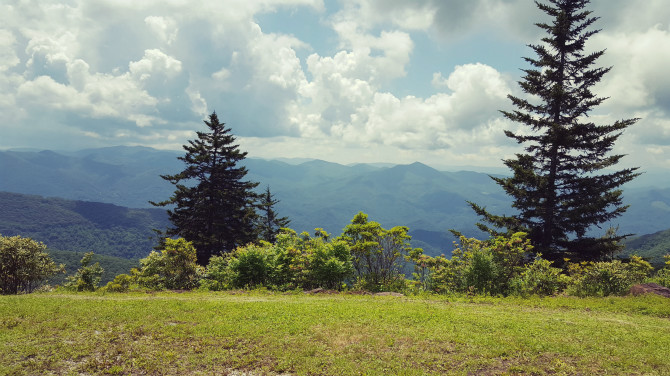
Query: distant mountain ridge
pixel 312 193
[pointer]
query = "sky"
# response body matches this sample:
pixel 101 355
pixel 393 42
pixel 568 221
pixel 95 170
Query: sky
pixel 347 81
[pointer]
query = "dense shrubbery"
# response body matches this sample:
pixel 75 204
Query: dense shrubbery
pixel 365 256
pixel 483 267
pixel 291 262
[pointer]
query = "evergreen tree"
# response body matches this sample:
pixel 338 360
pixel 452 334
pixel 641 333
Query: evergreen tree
pixel 559 187
pixel 269 223
pixel 212 206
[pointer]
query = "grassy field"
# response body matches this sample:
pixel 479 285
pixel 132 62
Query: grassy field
pixel 257 333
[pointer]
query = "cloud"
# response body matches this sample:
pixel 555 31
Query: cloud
pixel 165 28
pixel 8 57
pixel 110 72
pixel 639 60
pixel 368 117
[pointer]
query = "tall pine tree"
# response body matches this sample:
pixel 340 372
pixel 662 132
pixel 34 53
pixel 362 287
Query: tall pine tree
pixel 212 206
pixel 559 185
pixel 269 223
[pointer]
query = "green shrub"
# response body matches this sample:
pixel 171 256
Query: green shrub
pixel 662 277
pixel 217 276
pixel 292 262
pixel 378 255
pixel 540 278
pixel 481 273
pixel 330 264
pixel 24 264
pixel 87 276
pixel 251 266
pixel 174 268
pixel 485 267
pixel 121 283
pixel 607 278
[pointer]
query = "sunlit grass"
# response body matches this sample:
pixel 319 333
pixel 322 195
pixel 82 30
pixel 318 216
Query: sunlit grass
pixel 206 333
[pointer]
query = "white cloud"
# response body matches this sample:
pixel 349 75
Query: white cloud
pixel 165 28
pixel 365 116
pixel 639 60
pixel 8 57
pixel 408 15
pixel 155 62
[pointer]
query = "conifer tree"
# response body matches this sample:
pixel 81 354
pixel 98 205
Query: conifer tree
pixel 559 185
pixel 212 206
pixel 269 223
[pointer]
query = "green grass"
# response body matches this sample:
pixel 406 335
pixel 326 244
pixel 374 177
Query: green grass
pixel 215 333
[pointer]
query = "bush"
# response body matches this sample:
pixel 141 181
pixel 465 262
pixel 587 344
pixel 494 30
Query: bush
pixel 485 267
pixel 121 283
pixel 481 273
pixel 540 278
pixel 292 262
pixel 662 277
pixel 217 276
pixel 378 254
pixel 251 266
pixel 607 278
pixel 24 265
pixel 330 264
pixel 87 276
pixel 173 268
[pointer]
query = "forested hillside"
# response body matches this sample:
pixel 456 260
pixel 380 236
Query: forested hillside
pixel 651 247
pixel 81 226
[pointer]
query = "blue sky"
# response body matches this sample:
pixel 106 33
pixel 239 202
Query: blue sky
pixel 346 81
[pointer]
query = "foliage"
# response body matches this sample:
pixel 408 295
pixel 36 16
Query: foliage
pixel 217 275
pixel 269 223
pixel 558 185
pixel 121 283
pixel 539 278
pixel 252 266
pixel 377 253
pixel 294 261
pixel 212 206
pixel 111 265
pixel 24 264
pixel 607 278
pixel 330 264
pixel 173 268
pixel 87 276
pixel 662 277
pixel 484 267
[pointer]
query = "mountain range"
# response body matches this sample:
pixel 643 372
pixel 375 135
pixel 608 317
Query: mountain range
pixel 312 193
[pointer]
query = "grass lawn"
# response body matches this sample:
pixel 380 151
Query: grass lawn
pixel 197 333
